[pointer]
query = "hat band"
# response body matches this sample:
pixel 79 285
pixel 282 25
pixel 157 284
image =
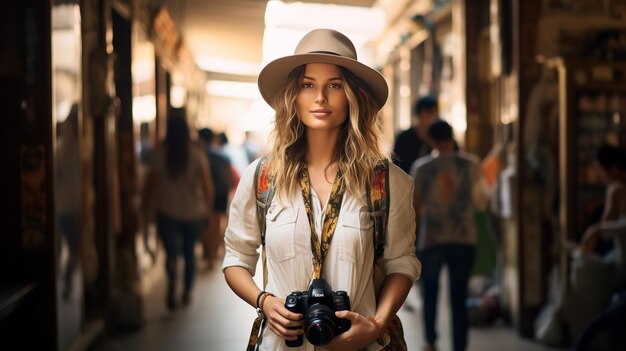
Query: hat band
pixel 325 52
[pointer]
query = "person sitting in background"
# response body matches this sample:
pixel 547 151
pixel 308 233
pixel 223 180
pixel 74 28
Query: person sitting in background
pixel 597 272
pixel 611 165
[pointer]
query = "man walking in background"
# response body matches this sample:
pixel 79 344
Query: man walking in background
pixel 448 190
pixel 220 166
pixel 413 143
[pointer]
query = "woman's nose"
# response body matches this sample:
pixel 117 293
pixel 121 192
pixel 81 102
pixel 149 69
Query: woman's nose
pixel 320 96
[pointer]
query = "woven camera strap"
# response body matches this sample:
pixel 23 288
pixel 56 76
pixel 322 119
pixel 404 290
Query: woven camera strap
pixel 319 248
pixel 377 202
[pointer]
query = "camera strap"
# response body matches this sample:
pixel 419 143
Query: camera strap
pixel 378 205
pixel 319 248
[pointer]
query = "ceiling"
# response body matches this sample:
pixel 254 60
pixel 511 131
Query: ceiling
pixel 230 30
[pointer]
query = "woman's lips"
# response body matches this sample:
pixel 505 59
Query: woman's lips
pixel 320 113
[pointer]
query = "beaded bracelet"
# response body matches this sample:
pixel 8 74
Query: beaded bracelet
pixel 381 337
pixel 258 297
pixel 263 297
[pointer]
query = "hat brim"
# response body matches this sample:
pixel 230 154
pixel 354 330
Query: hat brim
pixel 273 76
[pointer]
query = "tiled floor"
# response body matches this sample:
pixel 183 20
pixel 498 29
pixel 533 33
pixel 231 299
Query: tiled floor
pixel 218 320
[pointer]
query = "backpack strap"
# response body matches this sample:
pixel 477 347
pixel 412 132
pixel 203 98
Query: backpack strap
pixel 264 190
pixel 378 205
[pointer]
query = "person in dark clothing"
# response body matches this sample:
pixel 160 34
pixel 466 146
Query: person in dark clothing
pixel 449 189
pixel 413 143
pixel 178 189
pixel 220 170
pixel 611 166
pixel 606 331
pixel 220 167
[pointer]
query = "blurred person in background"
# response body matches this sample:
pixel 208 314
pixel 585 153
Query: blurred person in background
pixel 448 190
pixel 223 183
pixel 610 163
pixel 179 190
pixel 252 147
pixel 68 202
pixel 146 147
pixel 598 266
pixel 413 143
pixel 236 153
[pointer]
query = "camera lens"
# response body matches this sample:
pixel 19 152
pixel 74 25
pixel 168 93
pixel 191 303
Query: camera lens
pixel 319 324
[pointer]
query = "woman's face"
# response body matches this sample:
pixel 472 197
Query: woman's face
pixel 603 173
pixel 321 103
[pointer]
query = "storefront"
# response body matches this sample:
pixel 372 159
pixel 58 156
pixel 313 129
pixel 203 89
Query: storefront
pixel 532 88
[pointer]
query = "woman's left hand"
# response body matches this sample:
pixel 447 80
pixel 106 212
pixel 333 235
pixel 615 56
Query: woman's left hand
pixel 362 332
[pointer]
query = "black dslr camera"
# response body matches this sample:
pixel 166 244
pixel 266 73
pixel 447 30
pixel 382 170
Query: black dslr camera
pixel 318 306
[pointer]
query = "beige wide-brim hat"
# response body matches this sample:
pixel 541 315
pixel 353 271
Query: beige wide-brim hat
pixel 321 46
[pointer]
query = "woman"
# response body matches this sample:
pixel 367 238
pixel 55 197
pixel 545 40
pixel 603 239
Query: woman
pixel 611 165
pixel 180 189
pixel 327 137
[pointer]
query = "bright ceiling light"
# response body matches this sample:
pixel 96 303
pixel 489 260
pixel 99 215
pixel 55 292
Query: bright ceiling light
pixel 285 24
pixel 240 90
pixel 178 96
pixel 144 108
pixel 143 62
pixel 229 66
pixel 368 21
pixel 259 117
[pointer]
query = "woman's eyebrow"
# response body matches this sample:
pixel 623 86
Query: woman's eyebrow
pixel 330 79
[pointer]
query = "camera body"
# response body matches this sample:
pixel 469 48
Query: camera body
pixel 318 306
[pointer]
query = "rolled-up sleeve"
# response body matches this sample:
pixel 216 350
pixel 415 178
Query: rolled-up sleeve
pixel 243 236
pixel 400 245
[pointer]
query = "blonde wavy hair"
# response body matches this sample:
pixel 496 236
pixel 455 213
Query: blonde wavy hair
pixel 359 149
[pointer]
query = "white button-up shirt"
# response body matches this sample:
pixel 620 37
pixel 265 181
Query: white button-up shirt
pixel 350 259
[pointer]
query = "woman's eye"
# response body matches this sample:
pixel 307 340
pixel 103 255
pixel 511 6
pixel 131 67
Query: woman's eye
pixel 335 85
pixel 307 85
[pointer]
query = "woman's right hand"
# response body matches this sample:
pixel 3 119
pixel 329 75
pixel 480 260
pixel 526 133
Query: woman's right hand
pixel 590 239
pixel 282 322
